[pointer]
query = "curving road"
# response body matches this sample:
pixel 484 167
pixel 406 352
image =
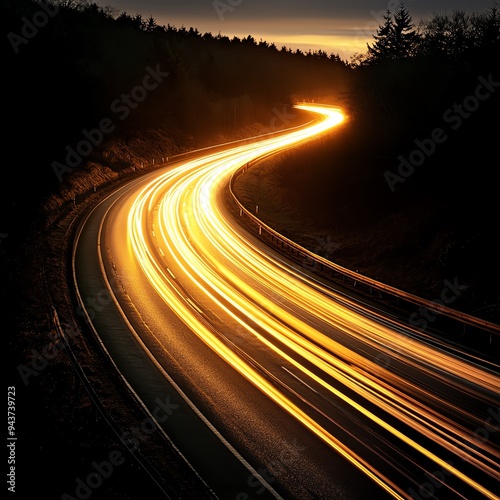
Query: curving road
pixel 281 386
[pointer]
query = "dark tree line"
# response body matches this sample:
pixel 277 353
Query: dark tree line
pixel 418 77
pixel 63 79
pixel 413 71
pixel 428 92
pixel 446 36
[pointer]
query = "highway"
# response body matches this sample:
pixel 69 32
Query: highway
pixel 284 387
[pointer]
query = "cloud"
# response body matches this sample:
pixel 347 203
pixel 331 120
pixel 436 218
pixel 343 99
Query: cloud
pixel 298 9
pixel 340 27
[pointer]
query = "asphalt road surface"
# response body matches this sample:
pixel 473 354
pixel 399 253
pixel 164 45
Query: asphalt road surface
pixel 276 384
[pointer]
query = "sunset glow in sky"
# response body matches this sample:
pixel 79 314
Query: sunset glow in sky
pixel 335 27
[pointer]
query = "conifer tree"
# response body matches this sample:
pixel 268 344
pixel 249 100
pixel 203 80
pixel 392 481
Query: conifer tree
pixel 382 47
pixel 405 35
pixel 396 38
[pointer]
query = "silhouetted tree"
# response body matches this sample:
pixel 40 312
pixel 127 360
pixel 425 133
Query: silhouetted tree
pixel 490 34
pixel 396 38
pixel 382 47
pixel 405 34
pixel 151 24
pixel 250 40
pixel 136 22
pixel 454 36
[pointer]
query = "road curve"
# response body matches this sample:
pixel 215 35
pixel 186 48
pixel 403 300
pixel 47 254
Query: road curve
pixel 283 387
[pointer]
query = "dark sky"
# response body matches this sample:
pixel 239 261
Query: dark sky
pixel 340 27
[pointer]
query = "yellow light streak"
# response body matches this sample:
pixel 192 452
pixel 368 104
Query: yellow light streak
pixel 222 268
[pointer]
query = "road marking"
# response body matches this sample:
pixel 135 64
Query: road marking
pixel 299 379
pixel 194 305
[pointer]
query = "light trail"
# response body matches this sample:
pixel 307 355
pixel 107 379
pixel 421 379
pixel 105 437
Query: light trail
pixel 179 231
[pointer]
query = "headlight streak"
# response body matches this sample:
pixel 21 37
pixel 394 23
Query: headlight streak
pixel 333 366
pixel 330 311
pixel 192 231
pixel 193 321
pixel 255 254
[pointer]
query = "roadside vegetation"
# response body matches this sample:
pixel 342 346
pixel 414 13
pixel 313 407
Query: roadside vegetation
pixel 81 64
pixel 92 95
pixel 405 192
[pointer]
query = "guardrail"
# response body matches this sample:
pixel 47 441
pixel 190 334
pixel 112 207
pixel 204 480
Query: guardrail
pixel 141 459
pixel 154 163
pixel 334 270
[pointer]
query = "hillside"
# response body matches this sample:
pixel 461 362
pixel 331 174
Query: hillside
pixel 406 191
pixel 93 96
pixel 124 89
pixel 414 241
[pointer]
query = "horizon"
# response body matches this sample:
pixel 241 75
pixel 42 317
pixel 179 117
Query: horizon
pixel 212 289
pixel 342 30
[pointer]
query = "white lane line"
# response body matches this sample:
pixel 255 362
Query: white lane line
pixel 156 363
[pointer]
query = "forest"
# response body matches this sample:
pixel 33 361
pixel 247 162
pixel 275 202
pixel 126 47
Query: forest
pixel 92 92
pixel 74 71
pixel 406 191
